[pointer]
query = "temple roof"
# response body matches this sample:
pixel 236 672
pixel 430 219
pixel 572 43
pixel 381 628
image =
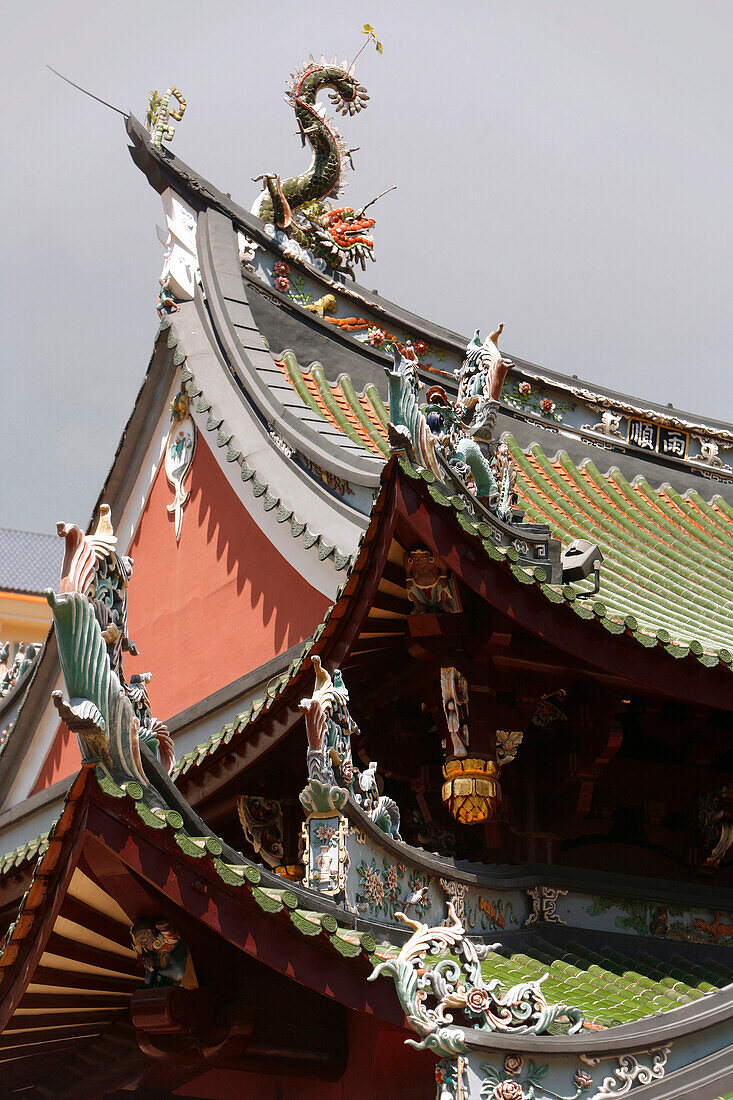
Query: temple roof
pixel 69 963
pixel 285 315
pixel 672 642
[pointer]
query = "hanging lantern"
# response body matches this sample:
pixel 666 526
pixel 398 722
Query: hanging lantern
pixel 471 790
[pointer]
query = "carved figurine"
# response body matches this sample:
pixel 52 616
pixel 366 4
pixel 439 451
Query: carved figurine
pixel 329 727
pixel 430 583
pixel 456 436
pixel 299 205
pixel 166 301
pixel 164 955
pixel 262 822
pixel 179 451
pixel 11 674
pixel 454 690
pixel 326 304
pixel 609 424
pixel 715 822
pixel 482 373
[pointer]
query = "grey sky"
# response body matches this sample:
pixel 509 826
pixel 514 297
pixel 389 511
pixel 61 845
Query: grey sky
pixel 562 166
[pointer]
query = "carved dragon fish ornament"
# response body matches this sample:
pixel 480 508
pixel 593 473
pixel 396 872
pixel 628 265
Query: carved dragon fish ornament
pixel 110 717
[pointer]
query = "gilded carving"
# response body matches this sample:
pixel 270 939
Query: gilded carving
pixel 544 899
pixel 454 692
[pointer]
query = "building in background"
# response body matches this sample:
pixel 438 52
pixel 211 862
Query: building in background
pixel 440 649
pixel 28 565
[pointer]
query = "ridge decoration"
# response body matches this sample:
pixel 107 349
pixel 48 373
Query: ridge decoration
pixel 510 1082
pixel 444 437
pixel 630 1071
pixel 110 716
pixel 332 778
pixel 159 114
pixel 299 205
pixel 452 443
pixel 455 982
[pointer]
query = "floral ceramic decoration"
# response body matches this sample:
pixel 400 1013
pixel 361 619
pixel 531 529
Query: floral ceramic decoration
pixel 517 1081
pixel 324 854
pixel 380 889
pixel 523 395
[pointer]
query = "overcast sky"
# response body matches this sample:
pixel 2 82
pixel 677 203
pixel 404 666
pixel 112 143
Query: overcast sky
pixel 562 165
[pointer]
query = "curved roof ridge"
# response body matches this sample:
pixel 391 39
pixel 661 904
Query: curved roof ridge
pixel 160 164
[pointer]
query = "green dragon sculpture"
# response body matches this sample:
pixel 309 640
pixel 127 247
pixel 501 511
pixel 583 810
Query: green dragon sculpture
pixel 298 205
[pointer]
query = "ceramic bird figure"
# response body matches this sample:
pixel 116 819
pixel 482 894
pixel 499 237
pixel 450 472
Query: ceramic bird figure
pixel 416 898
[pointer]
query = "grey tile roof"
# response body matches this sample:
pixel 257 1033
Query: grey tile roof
pixel 29 562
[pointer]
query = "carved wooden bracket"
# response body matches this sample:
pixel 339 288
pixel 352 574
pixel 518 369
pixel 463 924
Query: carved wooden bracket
pixel 171 1020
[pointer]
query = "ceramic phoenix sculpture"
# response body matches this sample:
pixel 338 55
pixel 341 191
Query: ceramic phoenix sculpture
pixel 300 205
pixel 110 716
pixel 332 775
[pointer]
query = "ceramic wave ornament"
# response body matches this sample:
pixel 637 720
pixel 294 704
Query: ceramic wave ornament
pixel 110 717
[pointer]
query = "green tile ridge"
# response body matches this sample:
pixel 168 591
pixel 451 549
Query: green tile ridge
pixel 245 875
pixel 666 601
pixel 347 388
pixel 332 405
pixel 372 394
pixel 299 385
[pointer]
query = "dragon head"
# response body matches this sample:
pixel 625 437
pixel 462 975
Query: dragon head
pixel 338 234
pixel 347 227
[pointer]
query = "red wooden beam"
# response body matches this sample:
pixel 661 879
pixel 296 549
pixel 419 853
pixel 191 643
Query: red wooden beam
pixel 92 956
pixel 33 1039
pixel 57 1002
pixel 60 861
pixel 72 979
pixel 94 921
pixel 232 913
pixel 651 668
pixel 40 1020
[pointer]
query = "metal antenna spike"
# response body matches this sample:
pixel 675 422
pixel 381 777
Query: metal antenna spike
pixel 90 94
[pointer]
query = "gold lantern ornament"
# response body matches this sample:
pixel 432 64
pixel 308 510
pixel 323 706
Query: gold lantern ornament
pixel 471 790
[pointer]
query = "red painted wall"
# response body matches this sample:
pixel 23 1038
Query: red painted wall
pixel 63 759
pixel 204 611
pixel 217 604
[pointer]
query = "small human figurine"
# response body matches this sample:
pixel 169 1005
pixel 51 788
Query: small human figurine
pixel 164 955
pixel 429 582
pixel 166 301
